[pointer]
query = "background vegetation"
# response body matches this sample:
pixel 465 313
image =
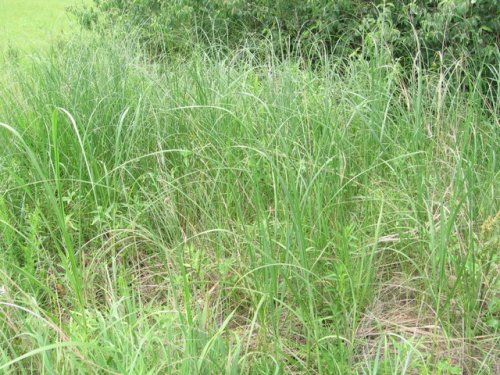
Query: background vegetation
pixel 434 28
pixel 315 199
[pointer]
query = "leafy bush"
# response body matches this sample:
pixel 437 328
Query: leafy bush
pixel 449 27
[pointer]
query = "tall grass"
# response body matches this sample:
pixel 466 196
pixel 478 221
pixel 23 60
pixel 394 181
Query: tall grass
pixel 233 215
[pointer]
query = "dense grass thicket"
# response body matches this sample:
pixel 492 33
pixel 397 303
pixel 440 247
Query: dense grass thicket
pixel 233 214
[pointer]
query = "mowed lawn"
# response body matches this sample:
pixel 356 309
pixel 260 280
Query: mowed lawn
pixel 26 24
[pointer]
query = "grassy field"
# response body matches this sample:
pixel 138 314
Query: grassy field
pixel 232 215
pixel 33 23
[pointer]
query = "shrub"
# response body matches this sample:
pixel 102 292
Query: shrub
pixel 436 28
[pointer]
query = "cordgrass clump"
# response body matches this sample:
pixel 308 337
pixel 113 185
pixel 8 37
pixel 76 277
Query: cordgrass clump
pixel 232 215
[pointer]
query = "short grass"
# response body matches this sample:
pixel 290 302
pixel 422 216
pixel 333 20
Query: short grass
pixel 233 215
pixel 26 24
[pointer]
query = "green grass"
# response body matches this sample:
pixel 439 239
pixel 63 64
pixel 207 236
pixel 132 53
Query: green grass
pixel 27 24
pixel 230 215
